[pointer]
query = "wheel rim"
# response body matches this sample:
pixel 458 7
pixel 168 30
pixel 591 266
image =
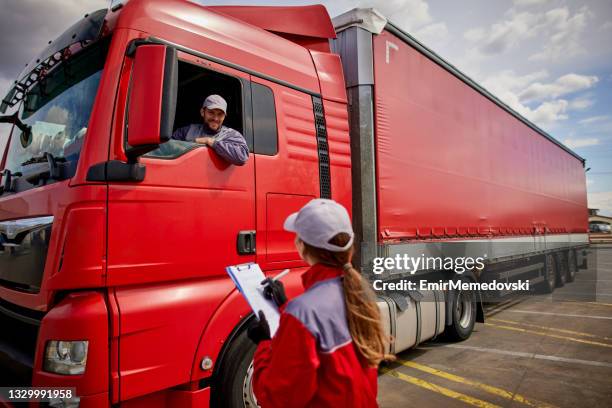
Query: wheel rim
pixel 248 395
pixel 464 309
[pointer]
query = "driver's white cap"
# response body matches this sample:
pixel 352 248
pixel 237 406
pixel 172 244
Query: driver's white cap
pixel 319 221
pixel 215 102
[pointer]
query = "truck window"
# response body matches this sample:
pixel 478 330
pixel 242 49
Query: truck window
pixel 58 108
pixel 264 120
pixel 195 84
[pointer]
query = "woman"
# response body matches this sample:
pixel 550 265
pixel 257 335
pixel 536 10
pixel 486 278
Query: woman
pixel 330 339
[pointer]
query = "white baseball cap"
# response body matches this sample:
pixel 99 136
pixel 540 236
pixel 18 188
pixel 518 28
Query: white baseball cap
pixel 319 221
pixel 215 102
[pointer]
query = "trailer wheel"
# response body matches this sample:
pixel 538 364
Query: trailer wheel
pixel 561 270
pixel 572 266
pixel 233 387
pixel 548 286
pixel 463 316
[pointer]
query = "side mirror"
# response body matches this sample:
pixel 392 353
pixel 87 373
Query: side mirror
pixel 152 99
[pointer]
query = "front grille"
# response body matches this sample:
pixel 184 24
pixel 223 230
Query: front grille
pixel 18 335
pixel 23 255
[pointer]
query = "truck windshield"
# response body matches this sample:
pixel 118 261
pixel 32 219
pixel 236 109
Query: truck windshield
pixel 58 108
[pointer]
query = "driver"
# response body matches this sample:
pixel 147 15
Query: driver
pixel 226 142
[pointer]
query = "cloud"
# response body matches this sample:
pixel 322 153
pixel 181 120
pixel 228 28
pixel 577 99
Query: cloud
pixel 545 114
pixel 504 34
pixel 5 83
pixel 433 33
pixel 564 33
pixel 508 87
pixel 564 85
pixel 527 3
pixel 412 16
pixel 26 26
pixel 581 103
pixel 559 26
pixel 509 80
pixel 601 200
pixel 574 143
pixel 409 14
pixel 548 112
pixel 521 91
pixel 594 119
pixel 606 26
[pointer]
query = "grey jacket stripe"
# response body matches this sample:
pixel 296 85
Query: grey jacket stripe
pixel 322 311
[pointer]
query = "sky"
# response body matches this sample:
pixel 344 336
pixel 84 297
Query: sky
pixel 550 60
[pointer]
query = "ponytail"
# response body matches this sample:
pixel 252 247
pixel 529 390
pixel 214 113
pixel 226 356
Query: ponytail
pixel 363 315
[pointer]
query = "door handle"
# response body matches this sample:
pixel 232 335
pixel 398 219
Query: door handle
pixel 245 243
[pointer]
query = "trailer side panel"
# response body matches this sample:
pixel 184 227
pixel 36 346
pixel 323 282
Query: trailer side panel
pixel 450 162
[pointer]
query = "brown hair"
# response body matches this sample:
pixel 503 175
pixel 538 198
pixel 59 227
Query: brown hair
pixel 362 311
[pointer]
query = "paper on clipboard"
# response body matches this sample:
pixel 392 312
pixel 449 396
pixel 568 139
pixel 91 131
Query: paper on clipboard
pixel 247 278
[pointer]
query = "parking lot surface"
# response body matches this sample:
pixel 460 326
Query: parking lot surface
pixel 536 351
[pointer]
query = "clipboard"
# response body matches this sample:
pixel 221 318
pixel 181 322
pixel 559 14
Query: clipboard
pixel 247 278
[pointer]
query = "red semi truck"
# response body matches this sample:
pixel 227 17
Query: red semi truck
pixel 114 237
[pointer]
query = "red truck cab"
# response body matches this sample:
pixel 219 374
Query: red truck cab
pixel 115 243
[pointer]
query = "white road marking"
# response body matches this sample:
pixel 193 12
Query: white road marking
pixel 525 355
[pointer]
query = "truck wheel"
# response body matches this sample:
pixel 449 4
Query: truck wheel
pixel 233 387
pixel 561 269
pixel 572 266
pixel 549 275
pixel 463 316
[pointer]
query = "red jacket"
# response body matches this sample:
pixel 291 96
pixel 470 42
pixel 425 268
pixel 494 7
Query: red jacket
pixel 312 360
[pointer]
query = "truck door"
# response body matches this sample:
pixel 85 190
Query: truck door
pixel 286 164
pixel 184 219
pixel 171 235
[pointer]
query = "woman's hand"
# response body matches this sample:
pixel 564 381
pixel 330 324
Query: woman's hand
pixel 275 290
pixel 259 329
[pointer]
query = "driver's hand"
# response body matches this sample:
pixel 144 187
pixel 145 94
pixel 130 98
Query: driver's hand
pixel 208 141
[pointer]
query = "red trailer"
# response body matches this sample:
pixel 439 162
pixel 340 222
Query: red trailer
pixel 114 237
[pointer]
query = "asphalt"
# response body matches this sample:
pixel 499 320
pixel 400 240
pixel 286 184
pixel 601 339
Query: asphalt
pixel 535 351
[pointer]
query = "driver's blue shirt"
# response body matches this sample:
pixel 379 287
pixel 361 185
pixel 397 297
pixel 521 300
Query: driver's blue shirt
pixel 229 143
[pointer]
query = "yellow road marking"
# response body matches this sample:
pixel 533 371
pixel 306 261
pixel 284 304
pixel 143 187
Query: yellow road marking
pixel 485 387
pixel 595 343
pixel 590 303
pixel 600 303
pixel 439 389
pixel 551 328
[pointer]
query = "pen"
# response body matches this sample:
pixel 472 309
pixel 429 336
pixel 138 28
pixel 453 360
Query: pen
pixel 280 275
pixel 277 277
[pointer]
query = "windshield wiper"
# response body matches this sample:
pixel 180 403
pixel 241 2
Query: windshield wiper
pixel 14 119
pixel 7 185
pixel 46 156
pixel 55 168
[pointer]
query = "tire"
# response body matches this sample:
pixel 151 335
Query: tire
pixel 232 388
pixel 548 286
pixel 572 266
pixel 463 316
pixel 561 269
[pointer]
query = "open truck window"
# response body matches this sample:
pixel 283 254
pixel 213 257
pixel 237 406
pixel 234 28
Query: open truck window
pixel 195 84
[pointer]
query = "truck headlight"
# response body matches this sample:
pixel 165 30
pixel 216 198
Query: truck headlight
pixel 66 357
